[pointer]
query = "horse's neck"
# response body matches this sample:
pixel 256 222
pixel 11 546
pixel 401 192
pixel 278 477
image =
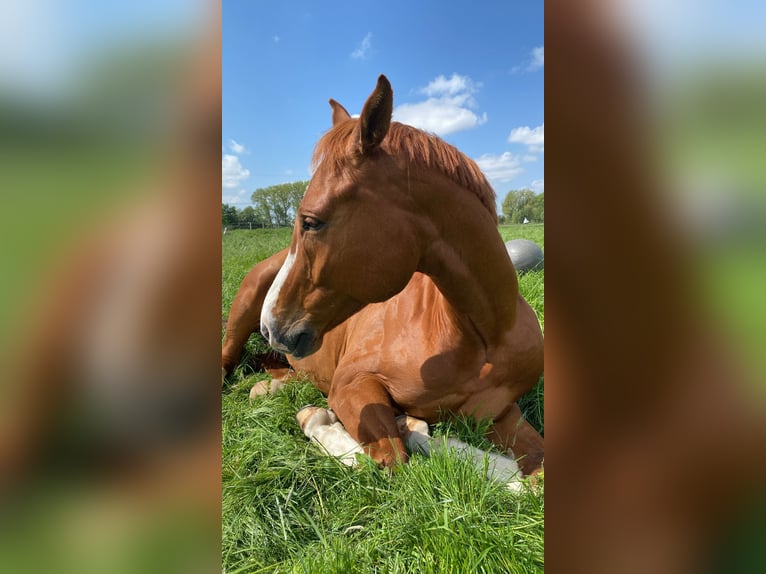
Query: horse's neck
pixel 469 264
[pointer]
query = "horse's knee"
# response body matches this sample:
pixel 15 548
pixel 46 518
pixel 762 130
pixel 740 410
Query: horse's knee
pixel 364 407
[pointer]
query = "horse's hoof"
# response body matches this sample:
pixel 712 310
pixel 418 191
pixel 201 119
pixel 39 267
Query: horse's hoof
pixel 316 415
pixel 265 387
pixel 408 424
pixel 259 388
pixel 390 461
pixel 531 464
pixel 537 477
pixel 389 452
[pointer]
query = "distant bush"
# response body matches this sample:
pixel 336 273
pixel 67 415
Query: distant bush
pixel 522 203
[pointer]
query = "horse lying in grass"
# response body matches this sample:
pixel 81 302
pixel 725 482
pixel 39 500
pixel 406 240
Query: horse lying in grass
pixel 397 295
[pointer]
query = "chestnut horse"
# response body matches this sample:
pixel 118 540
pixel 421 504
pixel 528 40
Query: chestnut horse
pixel 396 294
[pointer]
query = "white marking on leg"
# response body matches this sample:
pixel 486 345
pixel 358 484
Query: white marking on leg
pixel 498 468
pixel 267 312
pixel 323 428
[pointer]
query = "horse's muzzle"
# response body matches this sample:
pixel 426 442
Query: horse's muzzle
pixel 299 340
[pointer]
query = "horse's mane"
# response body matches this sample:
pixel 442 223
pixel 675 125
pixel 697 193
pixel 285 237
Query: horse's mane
pixel 419 148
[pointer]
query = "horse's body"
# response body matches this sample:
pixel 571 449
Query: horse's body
pixel 397 293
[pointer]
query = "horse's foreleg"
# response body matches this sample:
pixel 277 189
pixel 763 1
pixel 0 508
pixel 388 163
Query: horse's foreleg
pixel 513 432
pixel 366 410
pixel 245 314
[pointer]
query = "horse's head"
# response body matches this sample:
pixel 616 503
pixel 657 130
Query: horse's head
pixel 354 241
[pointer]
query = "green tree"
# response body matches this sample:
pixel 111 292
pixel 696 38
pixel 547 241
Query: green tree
pixel 516 205
pixel 229 215
pixel 278 204
pixel 248 216
pixel 537 208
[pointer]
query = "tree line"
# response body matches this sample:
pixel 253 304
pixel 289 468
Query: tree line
pixel 277 205
pixel 274 206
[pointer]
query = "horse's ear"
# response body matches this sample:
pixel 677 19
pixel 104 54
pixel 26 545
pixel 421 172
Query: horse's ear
pixel 339 113
pixel 376 115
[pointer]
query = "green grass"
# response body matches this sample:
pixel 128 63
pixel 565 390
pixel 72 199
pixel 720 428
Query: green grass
pixel 288 508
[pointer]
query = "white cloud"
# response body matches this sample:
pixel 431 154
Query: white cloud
pixel 537 185
pixel 533 138
pixel 455 85
pixel 232 172
pixel 236 147
pixel 449 108
pixel 500 168
pixel 537 59
pixel 363 50
pixel 440 116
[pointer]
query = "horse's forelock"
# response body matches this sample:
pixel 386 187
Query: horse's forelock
pixel 335 145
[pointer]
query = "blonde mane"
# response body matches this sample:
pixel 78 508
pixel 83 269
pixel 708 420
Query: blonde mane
pixel 418 147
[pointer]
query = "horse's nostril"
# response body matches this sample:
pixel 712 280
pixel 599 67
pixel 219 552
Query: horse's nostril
pixel 302 343
pixel 300 339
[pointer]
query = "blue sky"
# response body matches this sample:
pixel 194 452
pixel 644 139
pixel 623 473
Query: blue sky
pixel 470 72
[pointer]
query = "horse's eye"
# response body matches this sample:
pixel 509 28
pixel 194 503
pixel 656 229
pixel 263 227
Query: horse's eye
pixel 312 224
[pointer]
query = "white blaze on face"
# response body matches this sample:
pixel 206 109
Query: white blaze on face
pixel 267 312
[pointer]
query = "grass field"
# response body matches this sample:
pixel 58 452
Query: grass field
pixel 288 508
